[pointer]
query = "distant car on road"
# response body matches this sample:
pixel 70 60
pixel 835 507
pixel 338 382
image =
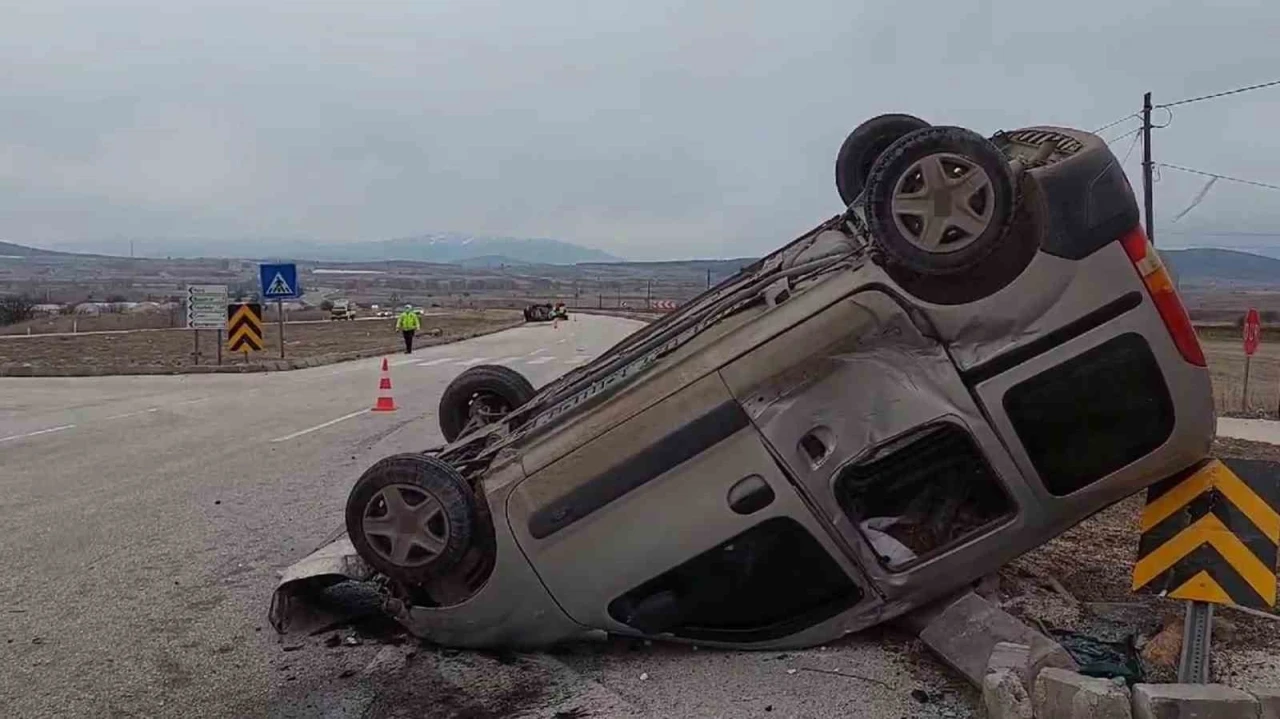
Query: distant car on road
pixel 539 313
pixel 343 310
pixel 978 352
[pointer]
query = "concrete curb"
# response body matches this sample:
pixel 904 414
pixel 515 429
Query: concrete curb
pixel 1062 694
pixel 277 365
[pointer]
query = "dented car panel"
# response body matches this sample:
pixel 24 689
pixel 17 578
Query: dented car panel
pixel 824 441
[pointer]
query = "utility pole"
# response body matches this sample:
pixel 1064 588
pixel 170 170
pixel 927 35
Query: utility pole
pixel 708 278
pixel 648 295
pixel 1146 167
pixel 1193 664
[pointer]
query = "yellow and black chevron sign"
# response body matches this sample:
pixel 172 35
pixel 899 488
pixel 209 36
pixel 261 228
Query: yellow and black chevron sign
pixel 244 327
pixel 1210 535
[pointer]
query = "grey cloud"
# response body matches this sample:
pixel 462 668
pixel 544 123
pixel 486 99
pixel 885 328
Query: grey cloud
pixel 659 129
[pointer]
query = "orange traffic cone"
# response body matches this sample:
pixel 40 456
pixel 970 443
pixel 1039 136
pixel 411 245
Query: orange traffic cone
pixel 385 403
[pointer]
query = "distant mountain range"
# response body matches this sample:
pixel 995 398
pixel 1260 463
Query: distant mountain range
pixel 8 249
pixel 1192 267
pixel 439 247
pixel 1212 266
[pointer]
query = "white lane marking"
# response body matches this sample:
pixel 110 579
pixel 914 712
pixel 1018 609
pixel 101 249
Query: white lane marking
pixel 191 401
pixel 538 351
pixel 434 362
pixel 37 432
pixel 576 360
pixel 472 361
pixel 131 414
pixel 542 360
pixel 309 430
pixel 505 360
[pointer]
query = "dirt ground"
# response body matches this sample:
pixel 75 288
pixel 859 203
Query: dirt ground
pixel 175 348
pixel 1226 363
pixel 1081 582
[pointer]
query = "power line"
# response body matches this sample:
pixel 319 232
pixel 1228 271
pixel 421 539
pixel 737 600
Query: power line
pixel 1132 144
pixel 1220 177
pixel 1215 95
pixel 1118 138
pixel 1110 125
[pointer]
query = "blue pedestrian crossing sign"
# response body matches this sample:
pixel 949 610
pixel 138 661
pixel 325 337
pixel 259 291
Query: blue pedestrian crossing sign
pixel 279 282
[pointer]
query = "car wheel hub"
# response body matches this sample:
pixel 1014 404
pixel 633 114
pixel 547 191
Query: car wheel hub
pixel 406 525
pixel 486 408
pixel 943 202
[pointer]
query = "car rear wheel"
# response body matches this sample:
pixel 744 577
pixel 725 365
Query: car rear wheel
pixel 939 200
pixel 411 516
pixel 864 145
pixel 479 396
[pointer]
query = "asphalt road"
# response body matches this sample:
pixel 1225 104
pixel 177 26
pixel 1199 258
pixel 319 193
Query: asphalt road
pixel 145 519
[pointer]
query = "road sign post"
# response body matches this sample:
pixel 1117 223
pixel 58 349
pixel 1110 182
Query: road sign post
pixel 1252 334
pixel 1210 537
pixel 279 283
pixel 205 305
pixel 244 328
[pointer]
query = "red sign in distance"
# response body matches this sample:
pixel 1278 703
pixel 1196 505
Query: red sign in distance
pixel 1252 332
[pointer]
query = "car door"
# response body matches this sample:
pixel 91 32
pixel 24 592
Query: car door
pixel 680 522
pixel 878 432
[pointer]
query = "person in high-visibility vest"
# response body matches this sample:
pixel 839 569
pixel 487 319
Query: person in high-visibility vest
pixel 408 323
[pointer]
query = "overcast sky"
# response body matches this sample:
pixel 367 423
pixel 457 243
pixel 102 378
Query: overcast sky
pixel 648 128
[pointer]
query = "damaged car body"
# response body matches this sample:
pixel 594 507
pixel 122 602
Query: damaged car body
pixel 979 353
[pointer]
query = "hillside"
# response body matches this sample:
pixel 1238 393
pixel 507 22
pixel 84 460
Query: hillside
pixel 457 248
pixel 1212 266
pixel 9 249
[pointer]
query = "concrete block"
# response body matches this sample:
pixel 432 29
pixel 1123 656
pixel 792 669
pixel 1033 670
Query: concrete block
pixel 1005 697
pixel 1011 657
pixel 965 632
pixel 1192 701
pixel 1268 702
pixel 1047 653
pixel 1063 694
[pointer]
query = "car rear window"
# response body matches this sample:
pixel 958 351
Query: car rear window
pixel 1093 414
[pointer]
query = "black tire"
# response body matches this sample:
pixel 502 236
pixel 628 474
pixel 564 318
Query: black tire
pixel 919 169
pixel 861 148
pixel 429 483
pixel 486 382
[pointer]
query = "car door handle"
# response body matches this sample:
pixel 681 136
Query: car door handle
pixel 750 495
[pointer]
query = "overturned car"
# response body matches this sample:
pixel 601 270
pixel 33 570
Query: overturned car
pixel 982 350
pixel 545 312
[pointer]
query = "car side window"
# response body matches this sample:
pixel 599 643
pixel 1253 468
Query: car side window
pixel 767 582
